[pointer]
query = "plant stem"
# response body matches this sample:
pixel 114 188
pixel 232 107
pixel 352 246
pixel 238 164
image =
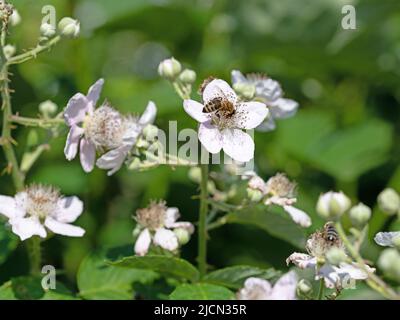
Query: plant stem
pixel 373 280
pixel 35 255
pixel 33 122
pixel 202 224
pixel 321 289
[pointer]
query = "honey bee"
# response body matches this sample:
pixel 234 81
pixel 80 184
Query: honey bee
pixel 330 234
pixel 204 84
pixel 221 106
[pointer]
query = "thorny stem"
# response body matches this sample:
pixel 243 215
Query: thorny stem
pixel 202 229
pixel 33 122
pixel 373 280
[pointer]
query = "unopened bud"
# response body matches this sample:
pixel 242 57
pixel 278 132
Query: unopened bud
pixel 336 255
pixel 360 215
pixel 183 235
pixel 9 50
pixel 389 201
pixel 254 195
pixel 69 27
pixel 15 18
pixel 195 174
pixel 47 30
pixel 48 108
pixel 332 205
pixel 169 68
pixel 150 132
pixel 187 76
pixel 304 287
pixel 246 90
pixel 389 262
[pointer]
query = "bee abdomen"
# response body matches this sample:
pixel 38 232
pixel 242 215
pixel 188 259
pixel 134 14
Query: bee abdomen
pixel 213 105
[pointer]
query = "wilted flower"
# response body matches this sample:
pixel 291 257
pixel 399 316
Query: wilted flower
pixel 37 207
pixel 260 289
pixel 338 276
pixel 268 91
pixel 388 239
pixel 157 224
pixel 332 205
pixel 223 129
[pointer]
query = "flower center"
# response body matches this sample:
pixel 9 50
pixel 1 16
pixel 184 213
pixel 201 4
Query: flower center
pixel 104 128
pixel 152 217
pixel 41 201
pixel 280 186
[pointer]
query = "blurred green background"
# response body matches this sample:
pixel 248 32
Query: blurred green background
pixel 344 137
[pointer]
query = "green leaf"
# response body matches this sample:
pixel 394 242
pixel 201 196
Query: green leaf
pixel 6 292
pixel 272 221
pixel 27 288
pixel 98 280
pixel 234 277
pixel 168 266
pixel 201 291
pixel 8 242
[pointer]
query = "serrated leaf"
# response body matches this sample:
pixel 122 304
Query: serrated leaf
pixel 234 277
pixel 168 266
pixel 201 291
pixel 270 220
pixel 8 242
pixel 98 280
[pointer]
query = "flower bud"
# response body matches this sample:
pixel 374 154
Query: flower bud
pixel 246 90
pixel 135 164
pixel 389 201
pixel 142 143
pixel 336 255
pixel 183 235
pixel 360 215
pixel 188 76
pixel 396 242
pixel 150 132
pixel 389 262
pixel 48 108
pixel 69 27
pixel 47 30
pixel 304 287
pixel 332 205
pixel 254 195
pixel 15 18
pixel 195 174
pixel 136 231
pixel 169 68
pixel 9 50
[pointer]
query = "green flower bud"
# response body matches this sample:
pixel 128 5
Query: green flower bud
pixel 389 201
pixel 336 255
pixel 254 195
pixel 48 108
pixel 396 242
pixel 246 90
pixel 195 174
pixel 332 205
pixel 47 30
pixel 9 50
pixel 188 76
pixel 183 235
pixel 150 132
pixel 135 164
pixel 389 262
pixel 360 215
pixel 69 28
pixel 15 18
pixel 169 69
pixel 142 143
pixel 304 287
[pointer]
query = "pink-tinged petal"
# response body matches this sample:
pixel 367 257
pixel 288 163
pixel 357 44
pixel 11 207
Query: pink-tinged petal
pixel 64 229
pixel 189 227
pixel 250 115
pixel 285 287
pixel 210 137
pixel 298 216
pixel 219 88
pixel 238 145
pixel 142 244
pixel 255 289
pixel 20 204
pixel 166 239
pixel 149 115
pixel 113 160
pixel 195 110
pixel 69 209
pixel 76 110
pixel 302 260
pixel 171 215
pixel 87 155
pixel 25 228
pixel 283 108
pixel 94 94
pixel 71 145
pixel 8 207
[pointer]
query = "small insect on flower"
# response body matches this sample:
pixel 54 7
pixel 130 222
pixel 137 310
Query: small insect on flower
pixel 220 106
pixel 330 233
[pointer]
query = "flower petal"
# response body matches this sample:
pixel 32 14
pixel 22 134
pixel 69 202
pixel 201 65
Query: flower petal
pixel 386 238
pixel 302 260
pixel 210 137
pixel 188 226
pixel 285 287
pixel 87 155
pixel 143 243
pixel 27 227
pixel 94 93
pixel 64 229
pixel 267 125
pixel 113 160
pixel 219 88
pixel 268 89
pixel 166 239
pixel 195 110
pixel 76 109
pixel 7 206
pixel 255 289
pixel 283 108
pixel 238 145
pixel 171 215
pixel 238 77
pixel 250 115
pixel 70 208
pixel 298 216
pixel 149 115
pixel 71 145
